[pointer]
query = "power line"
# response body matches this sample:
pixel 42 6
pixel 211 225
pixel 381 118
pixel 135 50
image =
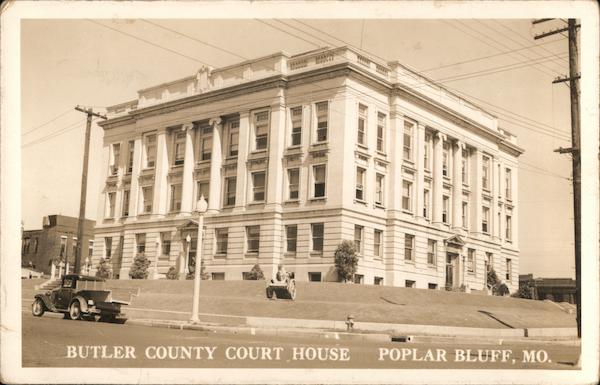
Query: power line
pixel 291 34
pixel 52 135
pixel 47 122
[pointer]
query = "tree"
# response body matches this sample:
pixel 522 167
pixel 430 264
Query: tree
pixel 256 273
pixel 172 273
pixel 346 260
pixel 203 274
pixel 139 268
pixel 104 269
pixel 492 279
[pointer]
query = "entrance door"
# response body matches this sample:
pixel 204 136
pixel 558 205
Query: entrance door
pixel 450 267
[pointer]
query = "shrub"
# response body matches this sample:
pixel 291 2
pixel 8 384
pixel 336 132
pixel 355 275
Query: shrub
pixel 502 290
pixel 346 260
pixel 492 279
pixel 525 291
pixel 203 274
pixel 256 273
pixel 172 273
pixel 104 269
pixel 460 289
pixel 139 268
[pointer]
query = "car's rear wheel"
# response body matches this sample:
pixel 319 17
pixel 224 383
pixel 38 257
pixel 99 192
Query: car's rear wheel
pixel 75 310
pixel 38 308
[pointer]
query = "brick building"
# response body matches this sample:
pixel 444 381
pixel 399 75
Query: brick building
pixel 295 154
pixel 56 241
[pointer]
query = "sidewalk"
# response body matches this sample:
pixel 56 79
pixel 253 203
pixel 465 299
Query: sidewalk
pixel 271 325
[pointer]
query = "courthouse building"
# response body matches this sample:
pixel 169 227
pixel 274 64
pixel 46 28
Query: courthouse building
pixel 295 153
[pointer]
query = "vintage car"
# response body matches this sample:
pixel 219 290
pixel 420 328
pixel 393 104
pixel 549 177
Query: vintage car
pixel 80 297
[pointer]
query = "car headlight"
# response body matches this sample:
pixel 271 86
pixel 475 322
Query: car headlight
pixel 90 302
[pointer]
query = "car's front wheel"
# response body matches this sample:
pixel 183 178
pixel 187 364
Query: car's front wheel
pixel 75 310
pixel 38 308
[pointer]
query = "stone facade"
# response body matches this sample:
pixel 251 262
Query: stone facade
pixel 295 154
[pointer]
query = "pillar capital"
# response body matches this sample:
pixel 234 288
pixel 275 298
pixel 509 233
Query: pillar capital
pixel 440 135
pixel 214 122
pixel 187 126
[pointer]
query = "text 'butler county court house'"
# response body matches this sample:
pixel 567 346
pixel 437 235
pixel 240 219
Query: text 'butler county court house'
pixel 295 154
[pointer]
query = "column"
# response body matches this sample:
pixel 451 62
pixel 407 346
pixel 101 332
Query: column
pixel 515 210
pixel 187 187
pixel 438 185
pixel 135 174
pixel 159 204
pixel 420 163
pixel 477 191
pixel 274 181
pixel 216 161
pixel 495 178
pixel 244 138
pixel 457 182
pixel 394 192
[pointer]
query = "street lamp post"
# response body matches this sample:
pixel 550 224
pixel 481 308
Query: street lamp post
pixel 201 207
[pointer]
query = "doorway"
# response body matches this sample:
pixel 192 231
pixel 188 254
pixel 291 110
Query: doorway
pixel 451 270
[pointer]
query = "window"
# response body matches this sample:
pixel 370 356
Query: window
pixel 322 121
pixel 131 147
pixel 360 184
pixel 74 246
pixel 179 148
pixel 508 228
pixel 358 238
pixel 261 130
pixel 445 209
pixel 252 239
pixel 508 183
pixel 203 188
pixel 314 276
pixel 230 185
pixel 410 283
pixel 175 198
pixel 25 246
pixel 465 166
pixel 234 138
pixel 90 249
pixel 140 242
pixel 107 247
pixel 222 236
pixel 465 215
pixel 63 246
pixel 361 135
pixel 409 241
pixel 258 186
pixel 432 286
pixel 378 281
pixel 377 243
pixel 147 193
pixel 293 183
pixel 111 204
pixel 317 231
pixel 319 181
pixel 35 245
pixel 125 208
pixel 150 149
pixel 359 278
pixel 291 236
pixel 379 189
pixel 485 172
pixel 165 241
pixel 406 195
pixel 296 138
pixel 427 152
pixel 508 269
pixel 489 261
pixel 381 119
pixel 471 261
pixel 206 139
pixel 431 252
pixel 116 154
pixel 485 219
pixel 217 276
pixel 426 203
pixel 408 134
pixel 445 158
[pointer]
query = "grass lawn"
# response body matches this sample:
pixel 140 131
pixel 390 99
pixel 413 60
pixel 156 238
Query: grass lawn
pixel 329 300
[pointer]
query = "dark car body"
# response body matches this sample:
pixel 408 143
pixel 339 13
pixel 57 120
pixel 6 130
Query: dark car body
pixel 80 296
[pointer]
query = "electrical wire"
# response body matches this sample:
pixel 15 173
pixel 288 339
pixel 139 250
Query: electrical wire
pixel 48 121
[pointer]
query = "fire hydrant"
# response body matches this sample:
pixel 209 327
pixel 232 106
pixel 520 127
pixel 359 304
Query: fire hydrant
pixel 350 322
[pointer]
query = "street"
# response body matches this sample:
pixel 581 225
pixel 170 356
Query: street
pixel 54 342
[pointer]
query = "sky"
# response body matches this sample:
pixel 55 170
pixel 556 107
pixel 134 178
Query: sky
pixel 100 63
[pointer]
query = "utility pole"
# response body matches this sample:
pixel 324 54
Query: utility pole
pixel 86 154
pixel 575 152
